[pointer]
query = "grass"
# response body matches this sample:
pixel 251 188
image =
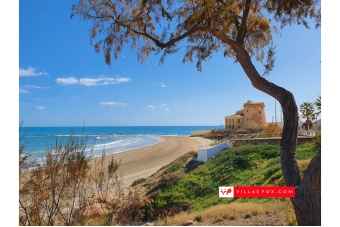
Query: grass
pixel 233 211
pixel 197 189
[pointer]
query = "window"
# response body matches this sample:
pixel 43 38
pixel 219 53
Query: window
pixel 238 120
pixel 247 119
pixel 233 120
pixel 259 112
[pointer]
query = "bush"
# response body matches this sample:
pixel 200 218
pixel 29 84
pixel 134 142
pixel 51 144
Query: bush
pixel 68 188
pixel 247 216
pixel 138 181
pixel 55 192
pixel 271 130
pixel 198 218
pixel 317 141
pixel 169 179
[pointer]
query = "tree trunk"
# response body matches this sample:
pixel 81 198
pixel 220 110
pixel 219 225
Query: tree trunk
pixel 307 203
pixel 308 195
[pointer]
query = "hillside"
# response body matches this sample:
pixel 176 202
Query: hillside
pixel 190 187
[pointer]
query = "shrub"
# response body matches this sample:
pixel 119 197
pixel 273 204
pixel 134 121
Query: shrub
pixel 271 130
pixel 198 218
pixel 56 191
pixel 68 188
pixel 247 216
pixel 174 167
pixel 317 141
pixel 169 179
pixel 232 217
pixel 217 220
pixel 138 181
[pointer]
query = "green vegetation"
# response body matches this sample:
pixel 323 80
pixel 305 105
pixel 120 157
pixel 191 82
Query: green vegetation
pixel 308 111
pixel 246 165
pixel 138 181
pixel 317 141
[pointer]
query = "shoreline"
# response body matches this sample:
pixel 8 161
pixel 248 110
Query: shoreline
pixel 144 161
pixel 162 139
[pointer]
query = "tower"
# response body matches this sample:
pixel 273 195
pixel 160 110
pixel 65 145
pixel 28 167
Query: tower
pixel 254 115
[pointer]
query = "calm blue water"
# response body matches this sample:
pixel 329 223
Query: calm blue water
pixel 113 139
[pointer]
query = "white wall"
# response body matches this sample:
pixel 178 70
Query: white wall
pixel 203 154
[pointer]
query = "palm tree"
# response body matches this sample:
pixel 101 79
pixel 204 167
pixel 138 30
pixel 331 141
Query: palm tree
pixel 307 111
pixel 317 104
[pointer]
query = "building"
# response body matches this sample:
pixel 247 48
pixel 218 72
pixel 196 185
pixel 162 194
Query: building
pixel 252 116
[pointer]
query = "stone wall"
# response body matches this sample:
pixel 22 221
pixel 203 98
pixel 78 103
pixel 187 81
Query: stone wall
pixel 272 141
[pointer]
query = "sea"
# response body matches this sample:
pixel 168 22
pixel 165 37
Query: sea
pixel 113 139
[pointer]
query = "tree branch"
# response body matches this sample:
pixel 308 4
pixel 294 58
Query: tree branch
pixel 226 39
pixel 243 28
pixel 170 42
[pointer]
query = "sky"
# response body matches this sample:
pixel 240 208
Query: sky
pixel 64 82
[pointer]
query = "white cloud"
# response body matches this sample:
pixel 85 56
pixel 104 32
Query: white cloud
pixel 163 85
pixel 122 79
pixel 40 107
pixel 86 81
pixel 111 103
pixel 192 109
pixel 36 87
pixel 31 71
pixel 151 107
pixel 22 90
pixel 167 109
pixel 66 81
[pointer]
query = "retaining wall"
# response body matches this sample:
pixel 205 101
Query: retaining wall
pixel 205 153
pixel 272 141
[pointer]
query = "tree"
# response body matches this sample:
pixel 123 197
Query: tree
pixel 307 111
pixel 239 29
pixel 317 104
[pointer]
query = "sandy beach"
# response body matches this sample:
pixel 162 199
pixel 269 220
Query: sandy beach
pixel 143 162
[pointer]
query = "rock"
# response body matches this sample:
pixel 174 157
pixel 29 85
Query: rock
pixel 189 222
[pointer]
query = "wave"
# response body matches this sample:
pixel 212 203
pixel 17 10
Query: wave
pixel 111 143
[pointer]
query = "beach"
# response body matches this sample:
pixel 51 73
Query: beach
pixel 143 162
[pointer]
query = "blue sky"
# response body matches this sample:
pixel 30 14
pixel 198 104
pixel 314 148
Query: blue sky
pixel 64 82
